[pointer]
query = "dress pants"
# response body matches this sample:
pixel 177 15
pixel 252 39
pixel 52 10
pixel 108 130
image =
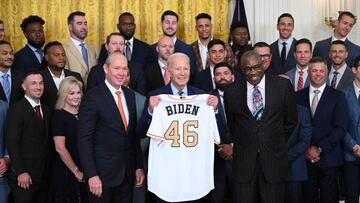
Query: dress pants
pixel 222 180
pixel 352 181
pixel 294 192
pixel 37 193
pixel 4 190
pixel 122 193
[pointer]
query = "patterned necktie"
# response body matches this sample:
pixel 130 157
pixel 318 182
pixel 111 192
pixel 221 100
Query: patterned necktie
pixel 128 50
pixel 84 54
pixel 300 83
pixel 38 115
pixel 166 75
pixel 180 93
pixel 283 53
pixel 6 86
pixel 315 102
pixel 121 109
pixel 333 81
pixel 258 106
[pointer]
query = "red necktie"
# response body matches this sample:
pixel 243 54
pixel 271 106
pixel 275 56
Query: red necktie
pixel 38 115
pixel 166 75
pixel 300 84
pixel 121 109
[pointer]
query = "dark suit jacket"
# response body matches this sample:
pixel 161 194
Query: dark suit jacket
pixel 16 92
pixel 203 80
pixel 291 74
pixel 276 66
pixel 265 141
pixel 50 96
pixel 141 53
pixel 298 143
pixel 346 80
pixel 26 61
pixel 137 78
pixel 154 77
pixel 329 124
pixel 322 49
pixel 105 148
pixel 3 109
pixel 27 141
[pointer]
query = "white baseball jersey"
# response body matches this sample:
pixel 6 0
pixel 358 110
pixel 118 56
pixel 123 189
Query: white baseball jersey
pixel 181 154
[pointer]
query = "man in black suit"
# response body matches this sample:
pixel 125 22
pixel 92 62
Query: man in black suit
pixel 27 140
pixel 109 150
pixel 30 58
pixel 260 121
pixel 54 73
pixel 283 49
pixel 11 79
pixel 239 36
pixel 343 26
pixel 157 74
pixel 328 109
pixel 140 51
pixel 115 42
pixel 340 75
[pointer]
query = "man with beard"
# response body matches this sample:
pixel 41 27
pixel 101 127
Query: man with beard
pixel 239 36
pixel 138 51
pixel 223 76
pixel 340 75
pixel 30 58
pixel 54 73
pixel 80 55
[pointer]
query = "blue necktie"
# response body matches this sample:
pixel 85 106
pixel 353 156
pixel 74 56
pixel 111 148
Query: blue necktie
pixel 84 54
pixel 40 54
pixel 6 86
pixel 258 106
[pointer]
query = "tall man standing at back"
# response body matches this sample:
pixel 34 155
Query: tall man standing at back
pixel 80 55
pixel 283 49
pixel 109 150
pixel 260 122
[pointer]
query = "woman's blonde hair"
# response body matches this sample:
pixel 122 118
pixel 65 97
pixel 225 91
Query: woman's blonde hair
pixel 64 89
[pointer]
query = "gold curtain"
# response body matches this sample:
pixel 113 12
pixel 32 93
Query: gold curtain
pixel 102 17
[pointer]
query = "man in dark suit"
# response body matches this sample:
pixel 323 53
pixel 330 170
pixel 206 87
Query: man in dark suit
pixel 115 43
pixel 329 123
pixel 54 73
pixel 239 36
pixel 351 141
pixel 140 51
pixel 169 25
pixel 343 26
pixel 11 79
pixel 156 74
pixel 298 74
pixel 340 75
pixel 264 50
pixel 298 143
pixel 4 156
pixel 283 49
pixel 109 150
pixel 27 141
pixel 260 122
pixel 30 58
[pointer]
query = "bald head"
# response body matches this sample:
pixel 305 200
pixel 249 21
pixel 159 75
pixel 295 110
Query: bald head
pixel 165 47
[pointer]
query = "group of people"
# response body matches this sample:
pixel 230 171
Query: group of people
pixel 79 124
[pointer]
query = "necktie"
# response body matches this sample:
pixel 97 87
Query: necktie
pixel 84 54
pixel 300 84
pixel 283 53
pixel 166 75
pixel 315 102
pixel 38 114
pixel 6 86
pixel 333 81
pixel 40 54
pixel 128 51
pixel 258 106
pixel 180 93
pixel 121 109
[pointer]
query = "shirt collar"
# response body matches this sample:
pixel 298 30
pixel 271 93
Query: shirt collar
pixel 32 102
pixel 341 70
pixel 174 40
pixel 288 41
pixel 175 91
pixel 131 40
pixel 261 84
pixel 201 44
pixel 112 89
pixel 161 64
pixel 356 88
pixel 32 48
pixel 76 42
pixel 52 75
pixel 8 72
pixel 320 88
pixel 333 38
pixel 303 70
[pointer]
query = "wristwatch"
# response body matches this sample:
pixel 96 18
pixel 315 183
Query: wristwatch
pixel 319 150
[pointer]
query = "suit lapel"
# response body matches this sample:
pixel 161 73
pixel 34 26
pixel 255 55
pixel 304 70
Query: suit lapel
pixel 130 101
pixel 243 97
pixel 322 100
pixel 33 56
pixel 290 56
pixel 74 51
pixel 51 84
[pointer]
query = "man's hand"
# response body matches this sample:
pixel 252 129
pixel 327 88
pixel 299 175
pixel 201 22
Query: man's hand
pixel 225 151
pixel 4 164
pixel 356 151
pixel 24 180
pixel 95 186
pixel 140 177
pixel 312 154
pixel 153 101
pixel 213 101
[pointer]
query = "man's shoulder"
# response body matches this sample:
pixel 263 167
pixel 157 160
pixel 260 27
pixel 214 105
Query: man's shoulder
pixel 323 42
pixel 141 43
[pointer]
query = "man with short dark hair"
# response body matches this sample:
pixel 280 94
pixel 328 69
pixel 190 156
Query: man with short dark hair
pixel 343 26
pixel 30 58
pixel 81 56
pixel 283 49
pixel 239 36
pixel 264 50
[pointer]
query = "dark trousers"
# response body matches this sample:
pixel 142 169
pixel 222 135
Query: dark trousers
pixel 352 181
pixel 122 193
pixel 321 185
pixel 37 193
pixel 259 190
pixel 294 192
pixel 223 181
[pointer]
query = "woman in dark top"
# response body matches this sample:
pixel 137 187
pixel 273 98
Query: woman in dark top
pixel 67 180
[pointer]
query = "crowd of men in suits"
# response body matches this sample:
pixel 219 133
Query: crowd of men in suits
pixel 288 113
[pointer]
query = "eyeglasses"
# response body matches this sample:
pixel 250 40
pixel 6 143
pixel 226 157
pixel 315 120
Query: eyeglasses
pixel 257 67
pixel 265 56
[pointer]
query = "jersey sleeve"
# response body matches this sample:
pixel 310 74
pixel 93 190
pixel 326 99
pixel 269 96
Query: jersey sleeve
pixel 214 128
pixel 156 130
